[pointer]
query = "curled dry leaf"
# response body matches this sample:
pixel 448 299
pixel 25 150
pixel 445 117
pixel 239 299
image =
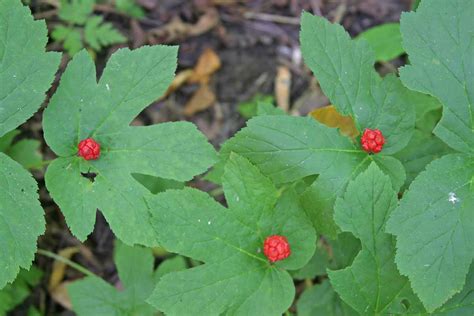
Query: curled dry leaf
pixel 59 268
pixel 201 100
pixel 208 63
pixel 282 88
pixel 177 29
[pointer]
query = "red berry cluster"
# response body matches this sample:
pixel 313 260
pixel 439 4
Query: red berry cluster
pixel 89 149
pixel 372 140
pixel 276 248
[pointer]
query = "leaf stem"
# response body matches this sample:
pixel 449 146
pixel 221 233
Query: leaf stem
pixel 68 262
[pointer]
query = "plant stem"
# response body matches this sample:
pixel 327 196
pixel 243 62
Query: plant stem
pixel 68 262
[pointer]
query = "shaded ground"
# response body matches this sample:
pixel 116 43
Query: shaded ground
pixel 252 39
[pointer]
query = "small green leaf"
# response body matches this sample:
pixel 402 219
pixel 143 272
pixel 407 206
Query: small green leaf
pixel 21 217
pixel 71 37
pixel 76 11
pixel 385 40
pixel 26 152
pixel 157 184
pixel 93 296
pixel 438 39
pixel 130 7
pixel 236 277
pixel 15 293
pixel 371 284
pixel 462 304
pixel 98 34
pixel 434 225
pixel 249 109
pixel 174 264
pixel 83 108
pixel 315 267
pixel 321 300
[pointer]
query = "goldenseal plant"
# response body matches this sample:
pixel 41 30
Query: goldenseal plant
pixel 87 124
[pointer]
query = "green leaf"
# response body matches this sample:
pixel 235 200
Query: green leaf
pixel 249 108
pixel 236 277
pixel 26 152
pixel 372 284
pixel 345 71
pixel 422 149
pixel 321 300
pixel 26 70
pixel 15 293
pixel 385 40
pixel 157 184
pixel 76 11
pixel 83 108
pixel 94 296
pixel 268 109
pixel 315 267
pixel 462 304
pixel 174 264
pixel 434 225
pixel 6 140
pixel 130 7
pixel 98 34
pixel 21 219
pixel 71 37
pixel 438 39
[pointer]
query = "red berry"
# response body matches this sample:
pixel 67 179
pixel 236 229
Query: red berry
pixel 89 149
pixel 276 248
pixel 372 140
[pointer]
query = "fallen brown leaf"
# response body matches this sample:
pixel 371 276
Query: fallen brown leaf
pixel 202 99
pixel 61 296
pixel 178 29
pixel 208 63
pixel 59 268
pixel 282 88
pixel 178 81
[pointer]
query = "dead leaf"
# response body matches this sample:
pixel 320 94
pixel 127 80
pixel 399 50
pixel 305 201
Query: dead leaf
pixel 178 81
pixel 208 63
pixel 202 99
pixel 177 29
pixel 330 117
pixel 282 88
pixel 61 296
pixel 59 268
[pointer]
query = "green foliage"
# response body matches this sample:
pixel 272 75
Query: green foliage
pixel 440 50
pixel 130 8
pixel 93 296
pixel 98 34
pixel 434 223
pixel 26 72
pixel 83 29
pixel 434 228
pixel 249 108
pixel 236 278
pixel 25 152
pixel 15 293
pixel 103 111
pixel 321 300
pixel 371 284
pixel 385 40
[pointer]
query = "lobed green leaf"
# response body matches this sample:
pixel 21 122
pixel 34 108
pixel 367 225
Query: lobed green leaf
pixel 236 278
